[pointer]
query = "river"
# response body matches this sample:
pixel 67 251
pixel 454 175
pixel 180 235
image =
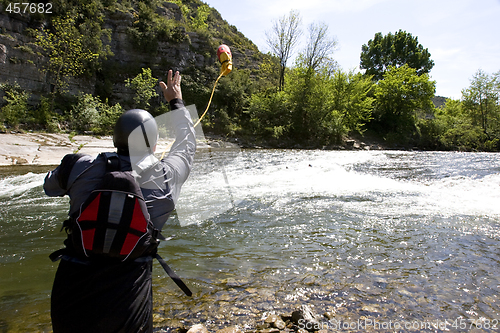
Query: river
pixel 410 238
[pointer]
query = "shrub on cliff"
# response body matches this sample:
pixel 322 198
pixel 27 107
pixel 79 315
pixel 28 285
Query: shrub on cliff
pixel 92 115
pixel 15 109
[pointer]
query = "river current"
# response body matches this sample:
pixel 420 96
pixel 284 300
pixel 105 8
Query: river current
pixel 408 239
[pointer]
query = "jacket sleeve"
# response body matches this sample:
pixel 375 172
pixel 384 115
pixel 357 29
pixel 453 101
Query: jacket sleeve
pixel 51 184
pixel 181 156
pixel 59 181
pixel 56 181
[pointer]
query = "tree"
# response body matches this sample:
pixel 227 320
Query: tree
pixel 319 47
pixel 453 129
pixel 472 123
pixel 350 99
pixel 396 50
pixel 199 22
pixel 143 84
pixel 481 102
pixel 334 104
pixel 282 39
pixel 16 107
pixel 66 50
pixel 312 71
pixel 399 96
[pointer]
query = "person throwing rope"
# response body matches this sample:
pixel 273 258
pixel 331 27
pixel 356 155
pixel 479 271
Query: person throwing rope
pixel 92 294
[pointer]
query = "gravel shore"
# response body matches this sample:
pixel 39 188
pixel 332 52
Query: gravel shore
pixel 50 148
pixel 47 148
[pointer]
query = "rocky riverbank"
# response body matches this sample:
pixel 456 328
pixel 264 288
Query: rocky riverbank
pixel 46 148
pixel 50 148
pixel 302 320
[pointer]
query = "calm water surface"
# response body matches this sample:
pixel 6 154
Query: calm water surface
pixel 387 236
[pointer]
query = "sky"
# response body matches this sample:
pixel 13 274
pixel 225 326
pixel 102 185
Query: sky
pixel 462 36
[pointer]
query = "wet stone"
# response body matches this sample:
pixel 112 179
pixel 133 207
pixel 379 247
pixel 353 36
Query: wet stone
pixel 279 324
pixel 198 328
pixel 329 315
pixel 370 308
pixel 270 330
pixel 236 282
pixel 261 326
pixel 271 319
pixel 305 314
pixel 230 329
pixel 275 321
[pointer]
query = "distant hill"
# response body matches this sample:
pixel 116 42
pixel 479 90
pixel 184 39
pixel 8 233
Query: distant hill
pixel 439 101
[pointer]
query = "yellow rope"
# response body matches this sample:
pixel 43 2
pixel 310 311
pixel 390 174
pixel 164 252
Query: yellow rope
pixel 201 117
pixel 209 101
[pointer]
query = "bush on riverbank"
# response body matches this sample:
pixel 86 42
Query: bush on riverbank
pixel 332 106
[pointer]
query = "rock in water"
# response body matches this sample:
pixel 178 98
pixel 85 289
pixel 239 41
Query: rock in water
pixel 198 328
pixel 275 321
pixel 306 318
pixel 230 329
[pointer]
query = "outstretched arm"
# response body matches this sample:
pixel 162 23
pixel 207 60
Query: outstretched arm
pixel 181 155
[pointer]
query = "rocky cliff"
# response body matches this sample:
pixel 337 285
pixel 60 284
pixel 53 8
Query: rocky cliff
pixel 191 52
pixel 18 59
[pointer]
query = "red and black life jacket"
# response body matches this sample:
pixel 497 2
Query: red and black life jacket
pixel 113 223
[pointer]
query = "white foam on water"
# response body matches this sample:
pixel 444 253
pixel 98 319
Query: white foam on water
pixel 463 195
pixel 17 185
pixel 330 174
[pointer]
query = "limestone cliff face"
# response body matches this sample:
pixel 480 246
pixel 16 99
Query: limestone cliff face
pixel 20 60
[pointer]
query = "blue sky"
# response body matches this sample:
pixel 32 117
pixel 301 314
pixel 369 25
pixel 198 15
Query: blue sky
pixel 462 36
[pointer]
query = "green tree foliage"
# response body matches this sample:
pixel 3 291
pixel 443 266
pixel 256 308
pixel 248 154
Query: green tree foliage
pixel 471 123
pixel 184 8
pixel 481 102
pixel 149 28
pixel 351 99
pixel 400 96
pixel 383 52
pixel 231 101
pixel 45 117
pixel 457 130
pixel 89 17
pixel 89 114
pixel 268 78
pixel 327 106
pixel 199 21
pixel 67 52
pixel 451 128
pixel 319 109
pixel 144 86
pixel 270 114
pixel 16 106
